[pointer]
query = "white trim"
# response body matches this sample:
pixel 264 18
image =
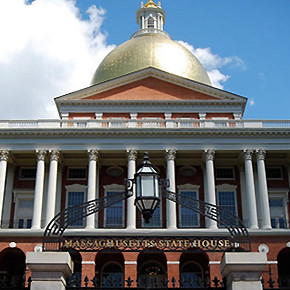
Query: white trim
pixel 173 262
pixel 214 262
pixel 88 263
pixel 188 186
pixel 130 262
pixel 272 262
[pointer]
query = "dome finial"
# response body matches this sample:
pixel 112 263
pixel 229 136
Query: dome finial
pixel 150 4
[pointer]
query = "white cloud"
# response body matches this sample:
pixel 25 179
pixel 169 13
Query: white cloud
pixel 213 62
pixel 252 102
pixel 46 50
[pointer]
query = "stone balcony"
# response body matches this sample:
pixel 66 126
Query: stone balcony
pixel 145 123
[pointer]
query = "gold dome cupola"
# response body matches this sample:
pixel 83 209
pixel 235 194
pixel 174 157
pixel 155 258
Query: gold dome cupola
pixel 150 18
pixel 150 47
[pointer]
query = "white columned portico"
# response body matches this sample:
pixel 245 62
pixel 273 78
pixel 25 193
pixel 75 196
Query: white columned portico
pixel 250 190
pixel 92 184
pixel 170 205
pixel 4 155
pixel 263 190
pixel 210 195
pixel 131 209
pixel 52 185
pixel 39 183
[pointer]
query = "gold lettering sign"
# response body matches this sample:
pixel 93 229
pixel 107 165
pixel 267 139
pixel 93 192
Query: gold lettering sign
pixel 139 244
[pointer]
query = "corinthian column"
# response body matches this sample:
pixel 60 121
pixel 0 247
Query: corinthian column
pixel 52 181
pixel 170 205
pixel 250 190
pixel 4 155
pixel 131 209
pixel 92 184
pixel 263 190
pixel 210 195
pixel 38 195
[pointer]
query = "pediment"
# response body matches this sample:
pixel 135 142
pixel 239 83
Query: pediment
pixel 151 85
pixel 150 89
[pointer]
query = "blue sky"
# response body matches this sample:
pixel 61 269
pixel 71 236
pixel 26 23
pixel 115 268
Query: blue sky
pixel 52 47
pixel 255 31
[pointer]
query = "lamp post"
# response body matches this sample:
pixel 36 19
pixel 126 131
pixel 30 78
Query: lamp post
pixel 148 189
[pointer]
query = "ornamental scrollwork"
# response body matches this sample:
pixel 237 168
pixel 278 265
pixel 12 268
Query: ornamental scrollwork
pixel 41 154
pixel 93 155
pixel 4 155
pixel 132 154
pixel 248 154
pixel 170 154
pixel 209 154
pixel 261 154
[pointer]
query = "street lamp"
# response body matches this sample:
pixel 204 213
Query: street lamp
pixel 148 189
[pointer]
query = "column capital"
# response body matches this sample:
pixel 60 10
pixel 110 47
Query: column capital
pixel 248 154
pixel 4 155
pixel 41 154
pixel 170 154
pixel 93 154
pixel 54 155
pixel 209 154
pixel 261 154
pixel 132 154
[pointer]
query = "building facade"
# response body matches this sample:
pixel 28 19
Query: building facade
pixel 149 94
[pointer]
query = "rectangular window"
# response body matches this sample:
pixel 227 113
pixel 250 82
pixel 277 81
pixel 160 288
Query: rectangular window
pixel 227 201
pixel 278 213
pixel 28 173
pixel 187 217
pixel 114 214
pixel 24 211
pixel 75 198
pixel 274 173
pixel 77 173
pixel 226 173
pixel 156 220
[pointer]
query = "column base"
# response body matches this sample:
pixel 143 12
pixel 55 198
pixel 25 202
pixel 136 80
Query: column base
pixel 243 270
pixel 49 270
pixel 266 227
pixel 253 227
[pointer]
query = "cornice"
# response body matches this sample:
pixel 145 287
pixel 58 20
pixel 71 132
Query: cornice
pixel 72 132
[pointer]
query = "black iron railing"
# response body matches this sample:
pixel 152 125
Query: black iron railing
pixel 268 282
pixel 144 283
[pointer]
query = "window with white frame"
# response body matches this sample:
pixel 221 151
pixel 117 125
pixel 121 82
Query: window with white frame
pixel 278 212
pixel 226 198
pixel 187 217
pixel 76 195
pixel 114 214
pixel 23 209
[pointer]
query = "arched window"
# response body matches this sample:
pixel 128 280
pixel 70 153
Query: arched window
pixel 12 267
pixel 112 275
pixel 191 275
pixel 152 271
pixel 150 22
pixel 194 270
pixel 284 267
pixel 110 268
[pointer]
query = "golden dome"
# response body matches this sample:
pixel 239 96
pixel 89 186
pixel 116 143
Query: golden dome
pixel 150 50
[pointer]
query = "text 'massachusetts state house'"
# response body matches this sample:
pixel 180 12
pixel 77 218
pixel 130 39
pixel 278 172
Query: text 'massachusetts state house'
pixel 152 95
